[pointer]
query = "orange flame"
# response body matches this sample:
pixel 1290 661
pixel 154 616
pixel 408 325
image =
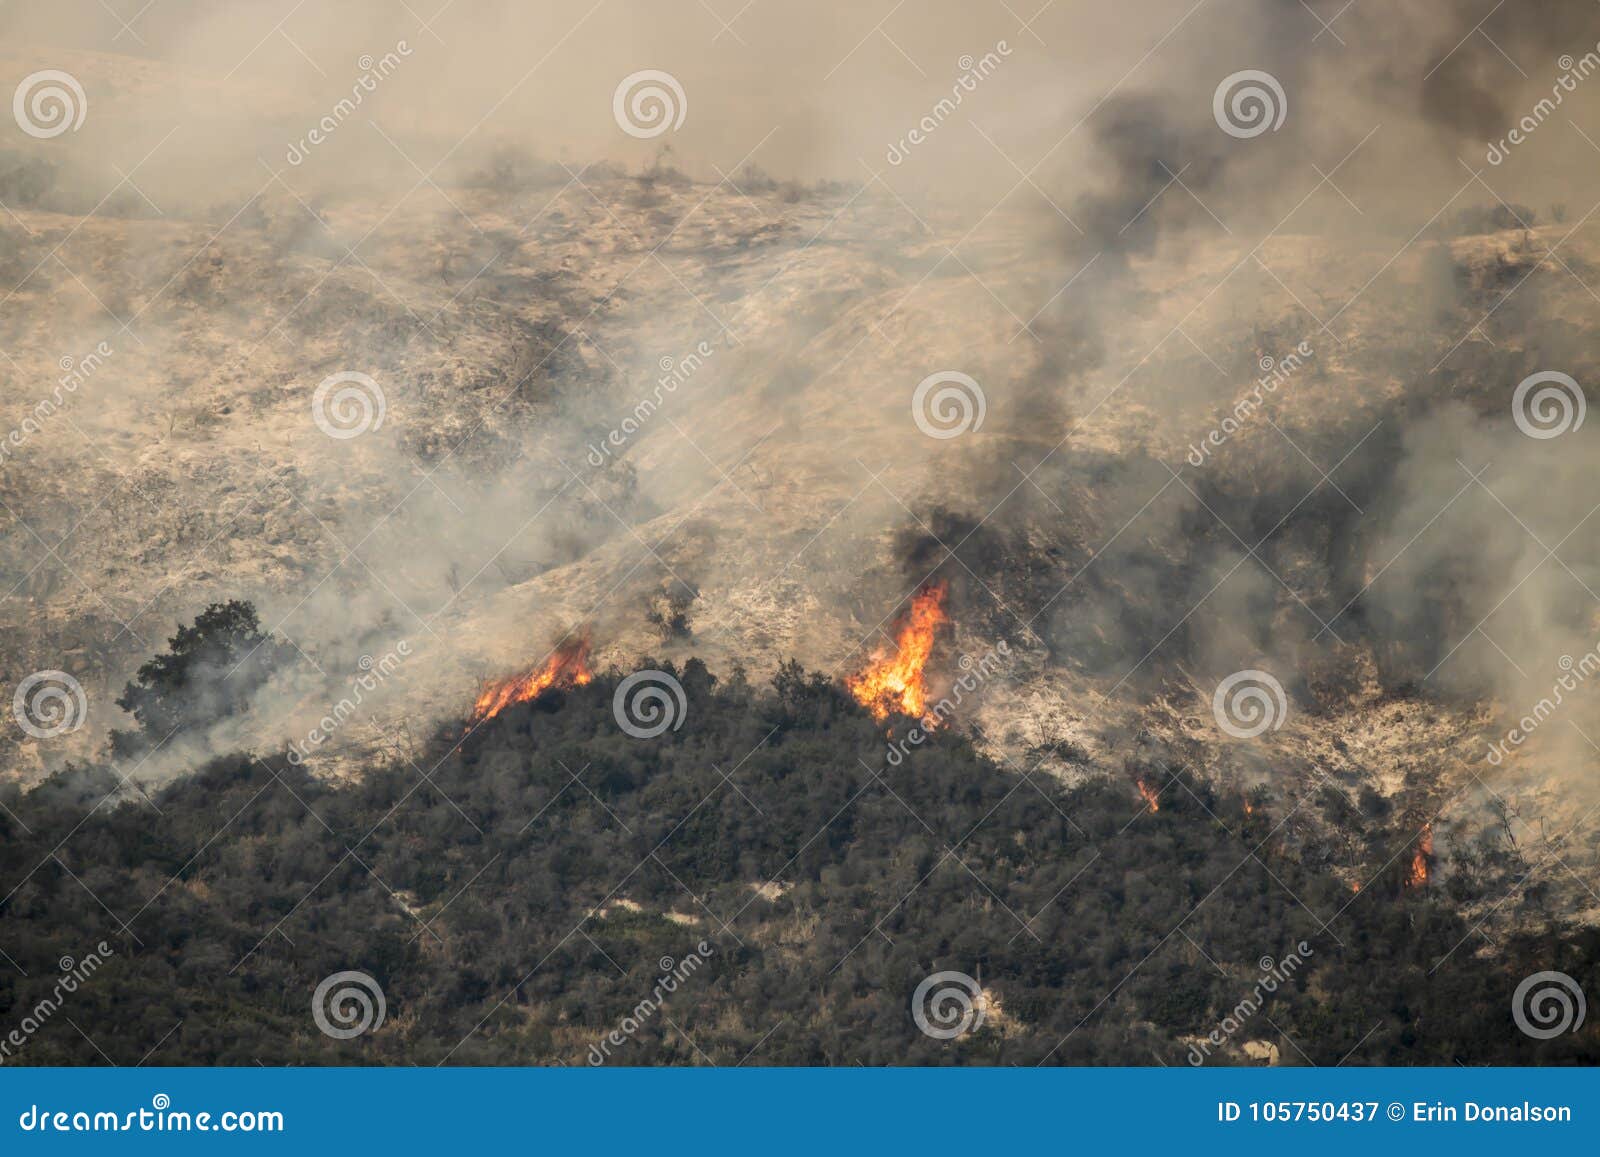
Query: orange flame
pixel 1151 798
pixel 567 666
pixel 1417 877
pixel 895 682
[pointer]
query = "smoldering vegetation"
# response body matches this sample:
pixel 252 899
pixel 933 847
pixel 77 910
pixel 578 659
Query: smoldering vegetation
pixel 1397 514
pixel 517 305
pixel 1103 584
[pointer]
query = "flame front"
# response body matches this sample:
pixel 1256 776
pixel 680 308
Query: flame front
pixel 895 682
pixel 1151 798
pixel 568 666
pixel 1417 877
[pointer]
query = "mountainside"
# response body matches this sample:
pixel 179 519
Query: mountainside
pixel 1050 525
pixel 776 489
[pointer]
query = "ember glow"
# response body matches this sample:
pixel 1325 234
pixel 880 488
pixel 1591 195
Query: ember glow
pixel 894 682
pixel 568 666
pixel 1417 876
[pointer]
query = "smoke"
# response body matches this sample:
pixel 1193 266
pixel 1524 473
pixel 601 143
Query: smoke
pixel 1422 565
pixel 617 371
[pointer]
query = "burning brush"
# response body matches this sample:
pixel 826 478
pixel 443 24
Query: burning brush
pixel 1417 874
pixel 1151 797
pixel 895 682
pixel 567 666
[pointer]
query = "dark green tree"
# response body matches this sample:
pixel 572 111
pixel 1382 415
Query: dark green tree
pixel 210 671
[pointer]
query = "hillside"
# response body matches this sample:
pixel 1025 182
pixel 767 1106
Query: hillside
pixel 1090 537
pixel 517 905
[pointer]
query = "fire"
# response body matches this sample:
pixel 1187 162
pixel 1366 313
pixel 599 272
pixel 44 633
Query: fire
pixel 568 666
pixel 1417 877
pixel 895 682
pixel 1151 798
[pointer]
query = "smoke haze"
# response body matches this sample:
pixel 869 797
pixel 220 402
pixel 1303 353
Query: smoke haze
pixel 618 369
